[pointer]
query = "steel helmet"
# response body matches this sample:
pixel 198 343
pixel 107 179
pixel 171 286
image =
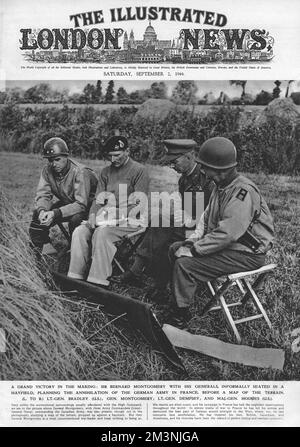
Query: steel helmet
pixel 217 153
pixel 55 147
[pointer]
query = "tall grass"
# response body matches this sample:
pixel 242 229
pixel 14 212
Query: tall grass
pixel 41 338
pixel 51 336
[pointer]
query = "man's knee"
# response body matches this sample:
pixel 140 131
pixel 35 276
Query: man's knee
pixel 75 221
pixel 184 265
pixel 81 233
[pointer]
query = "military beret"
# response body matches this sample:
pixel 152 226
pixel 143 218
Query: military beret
pixel 116 143
pixel 176 148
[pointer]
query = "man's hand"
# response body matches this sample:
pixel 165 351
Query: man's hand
pixel 47 218
pixel 42 216
pixel 183 251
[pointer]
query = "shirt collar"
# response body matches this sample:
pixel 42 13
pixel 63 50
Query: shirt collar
pixel 192 170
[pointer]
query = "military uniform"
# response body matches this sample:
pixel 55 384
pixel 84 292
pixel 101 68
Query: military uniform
pixel 238 232
pixel 98 245
pixel 74 189
pixel 154 247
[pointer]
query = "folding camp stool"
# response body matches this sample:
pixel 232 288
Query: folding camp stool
pixel 140 233
pixel 248 291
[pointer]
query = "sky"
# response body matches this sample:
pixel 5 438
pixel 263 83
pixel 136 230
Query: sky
pixel 252 87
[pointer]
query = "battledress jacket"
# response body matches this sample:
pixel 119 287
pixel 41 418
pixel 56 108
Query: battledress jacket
pixel 195 182
pixel 231 211
pixel 75 189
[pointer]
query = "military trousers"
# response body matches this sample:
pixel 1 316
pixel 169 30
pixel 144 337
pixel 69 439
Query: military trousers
pixel 189 272
pixel 154 251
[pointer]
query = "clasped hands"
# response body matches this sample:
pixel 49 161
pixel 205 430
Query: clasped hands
pixel 46 217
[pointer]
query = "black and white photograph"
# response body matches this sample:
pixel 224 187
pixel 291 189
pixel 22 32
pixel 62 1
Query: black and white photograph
pixel 65 143
pixel 149 210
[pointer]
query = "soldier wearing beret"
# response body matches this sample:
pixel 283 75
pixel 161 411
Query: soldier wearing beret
pixel 121 187
pixel 65 192
pixel 234 235
pixel 153 251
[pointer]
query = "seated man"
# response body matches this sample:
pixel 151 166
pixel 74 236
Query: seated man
pixel 71 183
pixel 153 251
pixel 121 189
pixel 237 229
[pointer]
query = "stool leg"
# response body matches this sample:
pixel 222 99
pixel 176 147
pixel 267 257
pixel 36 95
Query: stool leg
pixel 256 301
pixel 118 265
pixel 240 286
pixel 218 296
pixel 215 295
pixel 229 318
pixel 254 286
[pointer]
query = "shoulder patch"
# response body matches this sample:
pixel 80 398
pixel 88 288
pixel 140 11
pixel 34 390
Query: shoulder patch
pixel 242 194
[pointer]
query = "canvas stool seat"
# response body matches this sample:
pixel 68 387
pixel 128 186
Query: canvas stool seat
pixel 248 291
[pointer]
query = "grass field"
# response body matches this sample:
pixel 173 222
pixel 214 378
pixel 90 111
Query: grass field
pixel 126 356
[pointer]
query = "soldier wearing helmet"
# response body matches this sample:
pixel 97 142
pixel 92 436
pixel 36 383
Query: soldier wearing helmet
pixel 64 194
pixel 234 234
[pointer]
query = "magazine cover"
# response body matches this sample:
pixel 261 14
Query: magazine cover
pixel 149 239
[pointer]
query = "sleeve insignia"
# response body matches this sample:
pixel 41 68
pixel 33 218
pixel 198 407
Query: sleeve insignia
pixel 242 194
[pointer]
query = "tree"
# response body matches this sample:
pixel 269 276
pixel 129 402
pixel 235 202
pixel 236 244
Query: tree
pixel 122 96
pixel 76 98
pixel 158 90
pixel 276 90
pixel 89 92
pixel 3 97
pixel 40 93
pixel 138 96
pixel 263 98
pixel 109 95
pixel 15 94
pixel 185 92
pixel 241 84
pixel 98 92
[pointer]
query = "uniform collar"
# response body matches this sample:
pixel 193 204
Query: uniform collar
pixel 190 172
pixel 233 175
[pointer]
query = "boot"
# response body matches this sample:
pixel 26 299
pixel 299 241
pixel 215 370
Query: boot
pixel 180 317
pixel 128 278
pixel 157 295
